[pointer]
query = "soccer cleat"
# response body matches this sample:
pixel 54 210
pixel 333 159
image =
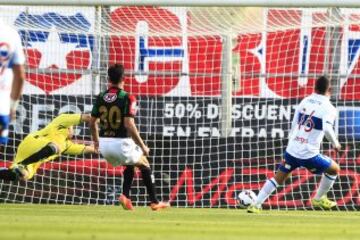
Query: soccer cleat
pixel 126 203
pixel 253 209
pixel 323 203
pixel 159 205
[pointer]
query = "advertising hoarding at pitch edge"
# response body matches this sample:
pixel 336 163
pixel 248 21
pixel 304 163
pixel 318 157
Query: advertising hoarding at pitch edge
pixel 260 119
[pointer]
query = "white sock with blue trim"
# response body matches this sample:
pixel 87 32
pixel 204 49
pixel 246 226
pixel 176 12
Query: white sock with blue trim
pixel 269 186
pixel 327 181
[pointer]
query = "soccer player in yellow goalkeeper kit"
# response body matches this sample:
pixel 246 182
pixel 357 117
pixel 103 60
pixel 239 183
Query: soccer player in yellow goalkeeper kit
pixel 45 145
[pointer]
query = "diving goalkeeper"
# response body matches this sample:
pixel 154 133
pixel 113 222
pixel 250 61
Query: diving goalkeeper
pixel 46 145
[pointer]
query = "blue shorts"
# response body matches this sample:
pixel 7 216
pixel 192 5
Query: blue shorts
pixel 4 128
pixel 317 165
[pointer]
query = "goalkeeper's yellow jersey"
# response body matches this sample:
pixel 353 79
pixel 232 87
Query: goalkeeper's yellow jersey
pixel 55 132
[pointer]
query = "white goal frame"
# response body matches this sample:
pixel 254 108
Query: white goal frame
pixel 227 76
pixel 239 3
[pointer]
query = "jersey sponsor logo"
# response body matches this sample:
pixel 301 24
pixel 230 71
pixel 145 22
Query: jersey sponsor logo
pixel 4 56
pixel 301 140
pixel 110 97
pixel 54 46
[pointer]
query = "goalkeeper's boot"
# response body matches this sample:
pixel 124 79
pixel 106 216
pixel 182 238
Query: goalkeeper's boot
pixel 254 209
pixel 323 203
pixel 126 202
pixel 159 205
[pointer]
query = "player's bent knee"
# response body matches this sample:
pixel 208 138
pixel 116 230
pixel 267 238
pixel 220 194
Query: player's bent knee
pixel 334 169
pixel 281 176
pixel 54 148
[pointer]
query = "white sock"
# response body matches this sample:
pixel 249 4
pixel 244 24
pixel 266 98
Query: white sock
pixel 327 181
pixel 269 186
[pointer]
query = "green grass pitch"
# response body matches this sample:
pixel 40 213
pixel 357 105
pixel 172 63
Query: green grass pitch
pixel 23 221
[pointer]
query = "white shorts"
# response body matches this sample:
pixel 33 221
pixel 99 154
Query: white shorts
pixel 120 151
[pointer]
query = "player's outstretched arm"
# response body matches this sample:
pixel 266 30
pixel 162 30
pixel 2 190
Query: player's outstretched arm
pixel 94 128
pixel 129 124
pixel 16 88
pixel 78 149
pixel 18 82
pixel 18 60
pixel 85 118
pixel 67 119
pixel 90 149
pixel 71 119
pixel 331 136
pixel 294 122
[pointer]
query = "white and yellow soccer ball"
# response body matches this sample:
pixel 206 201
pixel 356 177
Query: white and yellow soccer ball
pixel 246 198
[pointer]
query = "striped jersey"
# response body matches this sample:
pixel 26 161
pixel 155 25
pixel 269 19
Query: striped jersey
pixel 11 52
pixel 314 114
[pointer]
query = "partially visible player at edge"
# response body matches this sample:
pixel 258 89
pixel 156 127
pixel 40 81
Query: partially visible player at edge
pixel 314 117
pixel 119 140
pixel 45 145
pixel 12 76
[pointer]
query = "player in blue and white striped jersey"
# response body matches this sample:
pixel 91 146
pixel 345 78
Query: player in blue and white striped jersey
pixel 314 118
pixel 12 76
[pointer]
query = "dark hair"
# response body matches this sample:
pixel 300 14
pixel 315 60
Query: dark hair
pixel 116 73
pixel 322 85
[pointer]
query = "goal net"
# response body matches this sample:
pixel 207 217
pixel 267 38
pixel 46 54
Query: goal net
pixel 216 87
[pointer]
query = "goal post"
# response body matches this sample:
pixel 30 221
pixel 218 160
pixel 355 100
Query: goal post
pixel 216 81
pixel 205 3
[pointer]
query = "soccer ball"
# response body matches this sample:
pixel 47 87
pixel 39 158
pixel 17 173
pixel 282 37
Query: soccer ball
pixel 246 198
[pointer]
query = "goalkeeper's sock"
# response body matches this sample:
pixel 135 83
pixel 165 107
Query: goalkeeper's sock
pixel 149 181
pixel 43 153
pixel 327 181
pixel 8 175
pixel 269 187
pixel 128 179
